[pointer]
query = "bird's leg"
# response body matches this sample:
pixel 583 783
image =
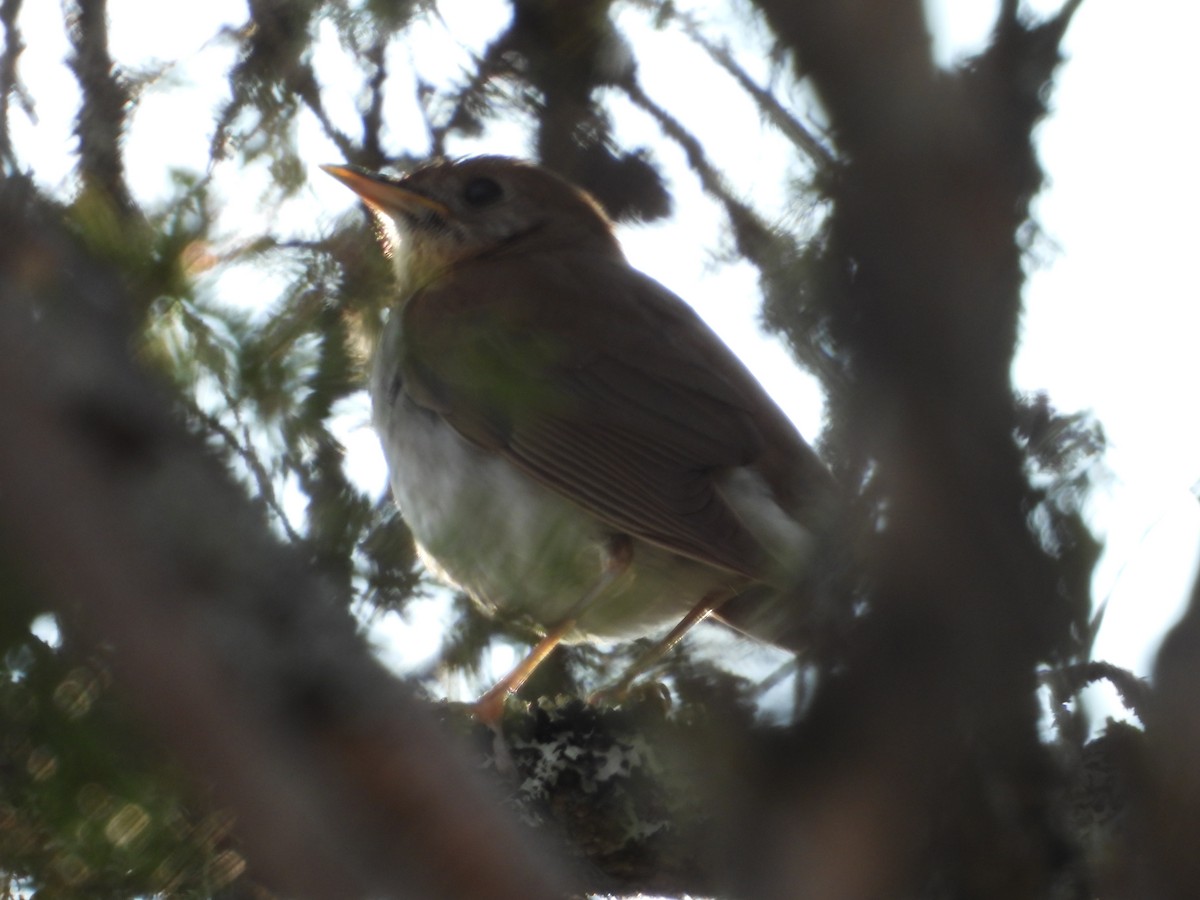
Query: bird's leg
pixel 489 708
pixel 708 604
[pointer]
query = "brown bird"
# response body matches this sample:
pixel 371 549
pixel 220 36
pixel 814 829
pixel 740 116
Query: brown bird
pixel 566 438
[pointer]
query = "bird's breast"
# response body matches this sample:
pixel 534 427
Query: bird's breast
pixel 513 544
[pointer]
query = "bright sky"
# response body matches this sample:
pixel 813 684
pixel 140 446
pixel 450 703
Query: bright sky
pixel 1112 318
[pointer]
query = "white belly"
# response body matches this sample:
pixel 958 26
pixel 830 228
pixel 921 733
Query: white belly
pixel 516 546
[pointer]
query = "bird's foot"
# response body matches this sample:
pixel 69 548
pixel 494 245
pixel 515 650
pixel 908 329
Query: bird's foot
pixel 489 709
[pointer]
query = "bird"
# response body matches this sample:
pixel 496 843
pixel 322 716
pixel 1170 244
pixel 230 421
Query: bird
pixel 566 438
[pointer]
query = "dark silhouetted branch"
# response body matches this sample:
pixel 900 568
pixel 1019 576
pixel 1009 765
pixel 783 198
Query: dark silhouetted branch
pixel 226 645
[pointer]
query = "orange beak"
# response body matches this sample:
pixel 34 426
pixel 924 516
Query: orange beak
pixel 383 194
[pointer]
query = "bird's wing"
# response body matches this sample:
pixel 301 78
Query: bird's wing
pixel 603 385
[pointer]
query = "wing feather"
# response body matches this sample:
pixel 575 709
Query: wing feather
pixel 603 385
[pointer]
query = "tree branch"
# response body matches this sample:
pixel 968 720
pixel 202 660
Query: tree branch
pixel 935 716
pixel 105 105
pixel 10 83
pixel 225 644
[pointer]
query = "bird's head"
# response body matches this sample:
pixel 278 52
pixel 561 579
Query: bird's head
pixel 448 212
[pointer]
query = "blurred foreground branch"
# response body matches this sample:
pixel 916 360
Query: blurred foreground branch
pixel 225 644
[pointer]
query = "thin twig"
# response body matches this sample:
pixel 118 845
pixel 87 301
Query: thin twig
pixel 786 123
pixel 752 235
pixel 242 447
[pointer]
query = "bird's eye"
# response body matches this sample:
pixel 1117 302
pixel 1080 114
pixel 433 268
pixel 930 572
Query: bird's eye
pixel 481 191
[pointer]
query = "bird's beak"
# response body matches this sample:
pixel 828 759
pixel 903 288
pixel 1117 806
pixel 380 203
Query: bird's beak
pixel 384 194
